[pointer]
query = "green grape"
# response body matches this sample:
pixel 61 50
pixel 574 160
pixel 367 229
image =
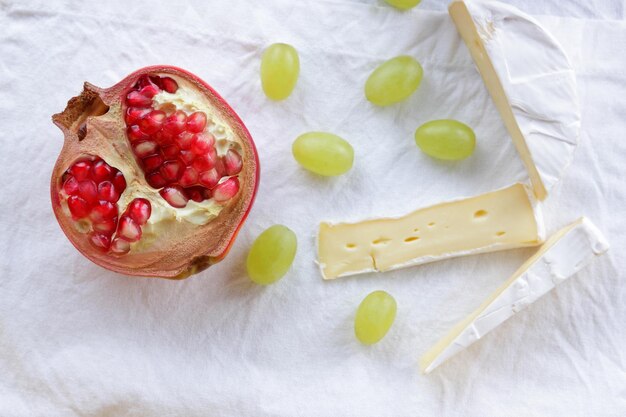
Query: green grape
pixel 374 317
pixel 280 67
pixel 403 4
pixel 323 153
pixel 393 81
pixel 446 139
pixel 271 255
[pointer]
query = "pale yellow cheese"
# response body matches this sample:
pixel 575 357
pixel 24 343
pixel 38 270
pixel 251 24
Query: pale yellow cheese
pixel 468 31
pixel 502 219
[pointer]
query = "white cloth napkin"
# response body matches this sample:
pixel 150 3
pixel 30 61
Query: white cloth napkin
pixel 77 340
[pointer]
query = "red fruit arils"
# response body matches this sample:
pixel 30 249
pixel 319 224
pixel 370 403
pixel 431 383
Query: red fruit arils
pixel 78 207
pixel 209 178
pixel 102 211
pixel 135 134
pixel 88 191
pixel 205 162
pixel 70 186
pixel 169 85
pixel 101 171
pixel 226 190
pixel 189 177
pixel 81 170
pixel 152 163
pixel 143 149
pixel 139 210
pixel 201 143
pixel 120 246
pixel 119 181
pixel 100 241
pixel 232 162
pixel 175 122
pixel 152 122
pixel 187 157
pixel 128 229
pixel 175 196
pixel 196 122
pixel 149 91
pixel 196 194
pixel 184 140
pixel 106 226
pixel 107 192
pixel 156 180
pixel 134 114
pixel 172 170
pixel 136 99
pixel 170 152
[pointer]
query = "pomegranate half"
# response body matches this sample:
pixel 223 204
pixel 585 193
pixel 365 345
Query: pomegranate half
pixel 156 176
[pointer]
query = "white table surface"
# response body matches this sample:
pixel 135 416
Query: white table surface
pixel 77 340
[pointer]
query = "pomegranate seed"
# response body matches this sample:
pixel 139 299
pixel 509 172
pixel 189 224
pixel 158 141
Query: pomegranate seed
pixel 78 207
pixel 175 196
pixel 135 134
pixel 88 191
pixel 104 210
pixel 170 152
pixel 196 122
pixel 149 91
pixel 136 99
pixel 152 122
pixel 139 210
pixel 172 170
pixel 175 122
pixel 195 193
pixel 106 227
pixel 134 114
pixel 70 186
pixel 143 149
pixel 209 178
pixel 163 138
pixel 100 241
pixel 81 170
pixel 128 229
pixel 187 157
pixel 189 177
pixel 169 85
pixel 232 162
pixel 119 181
pixel 152 162
pixel 107 192
pixel 184 140
pixel 202 142
pixel 101 171
pixel 146 80
pixel 120 246
pixel 226 190
pixel 204 162
pixel 156 180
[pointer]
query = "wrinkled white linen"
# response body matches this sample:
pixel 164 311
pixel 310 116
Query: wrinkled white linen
pixel 77 340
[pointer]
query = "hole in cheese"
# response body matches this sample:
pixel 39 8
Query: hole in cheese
pixel 480 214
pixel 380 241
pixel 431 224
pixel 501 233
pixel 411 239
pixel 350 246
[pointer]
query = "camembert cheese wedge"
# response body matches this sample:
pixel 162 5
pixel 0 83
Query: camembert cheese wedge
pixel 503 219
pixel 531 82
pixel 564 254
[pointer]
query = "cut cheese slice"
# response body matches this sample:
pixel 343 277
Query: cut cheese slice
pixel 531 82
pixel 503 219
pixel 564 254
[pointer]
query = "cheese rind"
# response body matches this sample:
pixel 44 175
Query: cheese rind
pixel 564 254
pixel 502 219
pixel 531 82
